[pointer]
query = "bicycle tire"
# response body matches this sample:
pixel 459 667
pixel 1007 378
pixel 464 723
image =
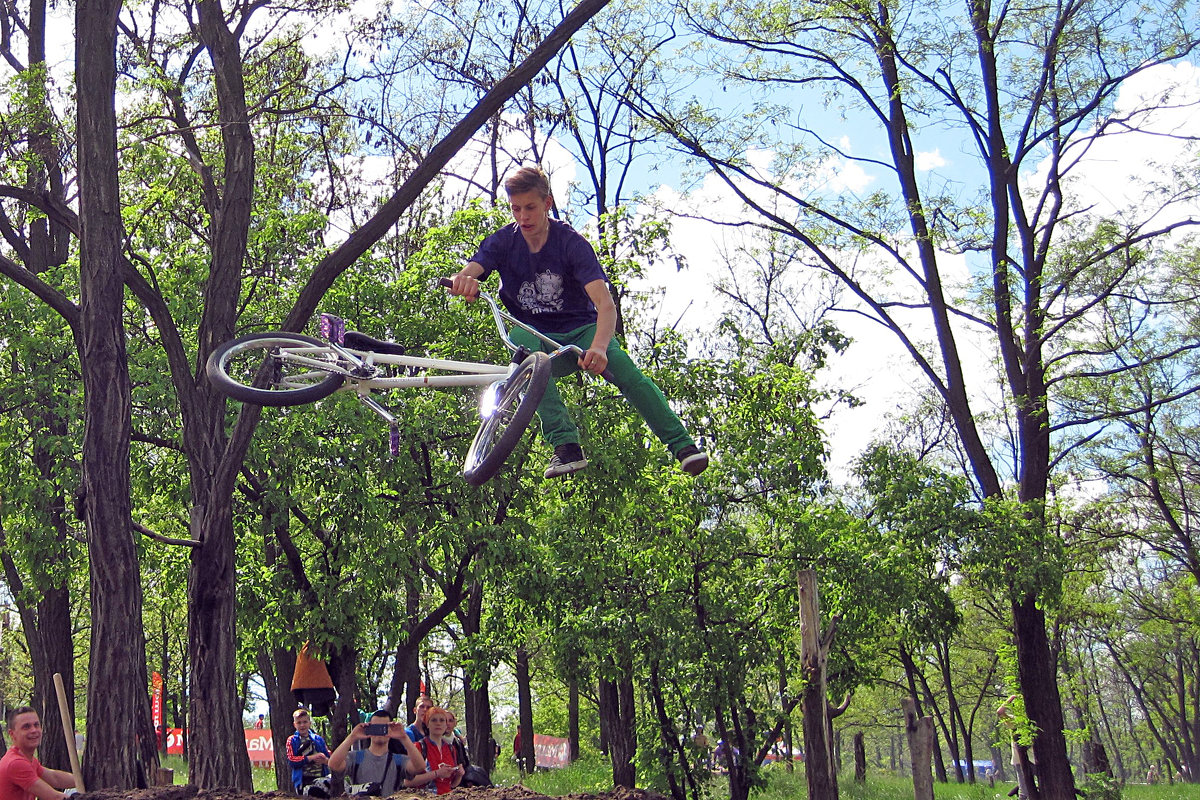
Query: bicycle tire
pixel 234 365
pixel 500 431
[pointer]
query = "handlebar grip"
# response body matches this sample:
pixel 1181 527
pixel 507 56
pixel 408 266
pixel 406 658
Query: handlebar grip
pixel 448 283
pixel 577 351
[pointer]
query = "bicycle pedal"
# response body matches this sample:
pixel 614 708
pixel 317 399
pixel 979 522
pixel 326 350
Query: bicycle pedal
pixel 333 328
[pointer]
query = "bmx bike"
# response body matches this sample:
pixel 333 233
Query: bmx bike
pixel 280 368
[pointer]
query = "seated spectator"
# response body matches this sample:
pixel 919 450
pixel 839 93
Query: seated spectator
pixel 308 755
pixel 417 730
pixel 441 758
pixel 454 736
pixel 22 777
pixel 375 770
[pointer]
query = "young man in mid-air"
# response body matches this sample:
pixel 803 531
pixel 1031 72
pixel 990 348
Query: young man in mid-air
pixel 551 280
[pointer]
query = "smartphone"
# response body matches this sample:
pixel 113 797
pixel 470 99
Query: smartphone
pixel 375 729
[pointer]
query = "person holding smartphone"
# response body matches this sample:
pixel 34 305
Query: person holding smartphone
pixel 375 770
pixel 441 757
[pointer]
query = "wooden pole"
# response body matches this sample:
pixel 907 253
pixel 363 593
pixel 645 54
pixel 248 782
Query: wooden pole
pixel 920 746
pixel 68 727
pixel 819 768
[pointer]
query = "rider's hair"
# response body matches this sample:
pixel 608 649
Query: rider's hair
pixel 528 179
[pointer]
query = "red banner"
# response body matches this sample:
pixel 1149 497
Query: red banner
pixel 260 747
pixel 551 752
pixel 156 701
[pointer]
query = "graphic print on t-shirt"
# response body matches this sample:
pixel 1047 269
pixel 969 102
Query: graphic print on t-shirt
pixel 542 294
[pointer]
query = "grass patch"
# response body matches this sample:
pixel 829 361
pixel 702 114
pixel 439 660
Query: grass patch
pixel 588 775
pixel 264 779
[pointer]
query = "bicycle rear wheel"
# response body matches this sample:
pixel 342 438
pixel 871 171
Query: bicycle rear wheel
pixel 298 369
pixel 504 423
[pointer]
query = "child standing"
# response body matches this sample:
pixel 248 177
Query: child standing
pixel 308 755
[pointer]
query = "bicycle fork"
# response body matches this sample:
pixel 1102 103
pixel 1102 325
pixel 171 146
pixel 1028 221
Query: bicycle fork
pixel 489 400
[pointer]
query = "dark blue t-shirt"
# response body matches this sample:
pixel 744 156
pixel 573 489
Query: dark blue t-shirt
pixel 543 289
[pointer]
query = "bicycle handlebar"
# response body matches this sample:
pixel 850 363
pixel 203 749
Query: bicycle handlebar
pixel 500 315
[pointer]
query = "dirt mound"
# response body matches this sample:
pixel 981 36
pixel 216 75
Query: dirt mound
pixel 518 792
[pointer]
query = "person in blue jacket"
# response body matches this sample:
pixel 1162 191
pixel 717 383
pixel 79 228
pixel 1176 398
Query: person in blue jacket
pixel 309 756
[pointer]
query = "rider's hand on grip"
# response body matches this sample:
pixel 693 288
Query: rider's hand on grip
pixel 461 285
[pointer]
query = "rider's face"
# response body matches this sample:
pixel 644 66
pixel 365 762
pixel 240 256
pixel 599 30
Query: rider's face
pixel 531 212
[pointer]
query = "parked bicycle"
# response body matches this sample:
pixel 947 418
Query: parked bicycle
pixel 279 368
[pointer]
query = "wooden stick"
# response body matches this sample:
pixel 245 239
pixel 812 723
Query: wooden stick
pixel 68 730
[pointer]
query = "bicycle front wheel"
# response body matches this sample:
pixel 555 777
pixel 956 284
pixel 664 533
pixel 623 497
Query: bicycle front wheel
pixel 275 369
pixel 505 420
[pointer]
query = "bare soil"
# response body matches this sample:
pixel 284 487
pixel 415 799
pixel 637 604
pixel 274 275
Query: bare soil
pixel 518 792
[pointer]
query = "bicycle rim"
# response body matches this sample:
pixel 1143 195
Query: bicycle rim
pixel 275 369
pixel 503 427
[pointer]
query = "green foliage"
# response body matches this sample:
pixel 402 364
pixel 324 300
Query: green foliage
pixel 1098 786
pixel 1016 550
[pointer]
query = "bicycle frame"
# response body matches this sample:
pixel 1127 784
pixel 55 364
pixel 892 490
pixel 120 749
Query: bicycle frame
pixel 362 377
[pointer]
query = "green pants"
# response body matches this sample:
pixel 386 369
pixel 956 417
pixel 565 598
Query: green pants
pixel 642 393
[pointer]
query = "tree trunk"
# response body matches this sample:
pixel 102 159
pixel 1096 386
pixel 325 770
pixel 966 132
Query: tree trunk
pixel 525 757
pixel 118 703
pixel 814 649
pixel 672 752
pixel 787 722
pixel 217 755
pixel 212 710
pixel 1043 704
pixel 344 715
pixel 47 627
pixel 573 718
pixel 601 688
pixel 963 767
pixel 615 703
pixel 276 668
pixel 860 758
pixel 920 745
pixel 476 696
pixel 914 677
pixel 481 737
pixel 626 775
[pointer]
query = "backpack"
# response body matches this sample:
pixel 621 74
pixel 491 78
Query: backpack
pixel 476 776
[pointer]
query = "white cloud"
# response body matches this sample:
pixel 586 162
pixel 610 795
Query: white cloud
pixel 1154 116
pixel 930 160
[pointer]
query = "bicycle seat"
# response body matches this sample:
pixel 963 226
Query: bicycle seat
pixel 360 341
